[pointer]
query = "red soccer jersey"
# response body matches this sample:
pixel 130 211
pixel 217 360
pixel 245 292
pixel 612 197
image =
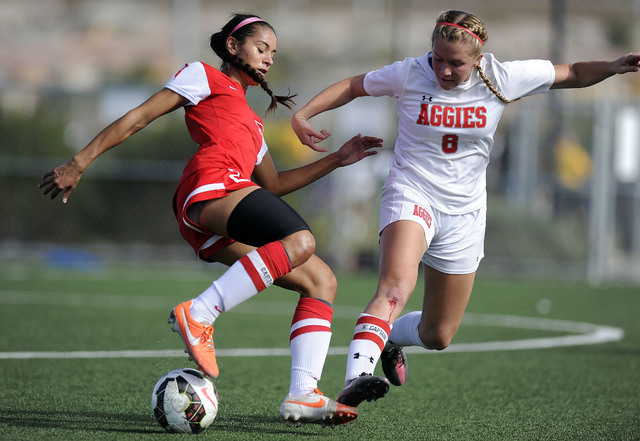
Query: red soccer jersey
pixel 219 120
pixel 230 144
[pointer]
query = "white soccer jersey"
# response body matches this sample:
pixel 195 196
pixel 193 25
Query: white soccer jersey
pixel 445 136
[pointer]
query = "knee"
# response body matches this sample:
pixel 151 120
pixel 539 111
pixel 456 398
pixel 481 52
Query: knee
pixel 314 279
pixel 322 285
pixel 436 337
pixel 300 246
pixel 397 292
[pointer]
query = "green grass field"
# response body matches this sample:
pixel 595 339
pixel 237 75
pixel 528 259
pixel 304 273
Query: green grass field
pixel 574 392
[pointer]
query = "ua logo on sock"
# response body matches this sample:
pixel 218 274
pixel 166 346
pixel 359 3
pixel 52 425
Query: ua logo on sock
pixel 358 355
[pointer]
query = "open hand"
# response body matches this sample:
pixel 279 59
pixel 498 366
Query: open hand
pixel 62 179
pixel 307 134
pixel 627 63
pixel 357 148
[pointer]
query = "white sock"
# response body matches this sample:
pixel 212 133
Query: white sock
pixel 231 289
pixel 369 338
pixel 309 340
pixel 252 273
pixel 405 331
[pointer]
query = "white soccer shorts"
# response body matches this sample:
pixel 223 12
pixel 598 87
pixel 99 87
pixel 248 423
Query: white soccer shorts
pixel 455 242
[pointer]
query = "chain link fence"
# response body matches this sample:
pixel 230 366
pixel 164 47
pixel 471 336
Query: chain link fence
pixel 567 206
pixel 563 182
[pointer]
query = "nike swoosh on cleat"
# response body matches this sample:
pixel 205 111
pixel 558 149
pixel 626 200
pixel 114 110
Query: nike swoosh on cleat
pixel 194 341
pixel 317 404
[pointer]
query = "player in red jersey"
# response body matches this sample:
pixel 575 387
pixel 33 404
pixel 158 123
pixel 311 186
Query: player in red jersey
pixel 228 208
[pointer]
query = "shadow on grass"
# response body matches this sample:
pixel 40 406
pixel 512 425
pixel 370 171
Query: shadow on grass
pixel 143 423
pixel 74 420
pixel 262 424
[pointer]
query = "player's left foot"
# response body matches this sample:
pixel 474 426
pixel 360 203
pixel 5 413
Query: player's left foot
pixel 197 337
pixel 365 387
pixel 394 365
pixel 315 408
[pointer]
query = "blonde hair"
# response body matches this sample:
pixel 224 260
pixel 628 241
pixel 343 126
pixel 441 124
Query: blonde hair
pixel 474 33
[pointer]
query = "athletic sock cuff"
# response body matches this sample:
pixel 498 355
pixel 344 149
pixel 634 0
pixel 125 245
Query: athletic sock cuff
pixel 311 315
pixel 275 257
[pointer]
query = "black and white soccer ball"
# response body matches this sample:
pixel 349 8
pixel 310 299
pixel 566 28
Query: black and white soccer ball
pixel 184 401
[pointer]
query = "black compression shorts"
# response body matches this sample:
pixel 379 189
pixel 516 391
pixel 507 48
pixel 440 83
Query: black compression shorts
pixel 262 217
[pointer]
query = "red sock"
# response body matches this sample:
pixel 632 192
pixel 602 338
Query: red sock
pixel 268 264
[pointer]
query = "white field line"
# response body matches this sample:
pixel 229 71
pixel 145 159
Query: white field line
pixel 579 333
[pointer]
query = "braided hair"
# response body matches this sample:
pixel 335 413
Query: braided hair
pixel 218 44
pixel 476 37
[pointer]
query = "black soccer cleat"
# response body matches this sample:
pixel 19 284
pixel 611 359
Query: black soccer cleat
pixel 394 365
pixel 366 387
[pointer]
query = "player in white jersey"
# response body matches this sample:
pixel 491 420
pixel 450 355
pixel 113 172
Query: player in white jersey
pixel 433 207
pixel 228 218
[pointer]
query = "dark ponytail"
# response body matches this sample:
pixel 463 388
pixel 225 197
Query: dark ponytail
pixel 218 43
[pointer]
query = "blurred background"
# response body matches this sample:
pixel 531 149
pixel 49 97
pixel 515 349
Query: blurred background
pixel 564 180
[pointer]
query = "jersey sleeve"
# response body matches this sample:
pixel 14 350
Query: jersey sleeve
pixel 191 82
pixel 388 80
pixel 523 78
pixel 262 152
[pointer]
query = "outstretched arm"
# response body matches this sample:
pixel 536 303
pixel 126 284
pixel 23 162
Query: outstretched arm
pixel 65 178
pixel 284 182
pixel 588 73
pixel 332 97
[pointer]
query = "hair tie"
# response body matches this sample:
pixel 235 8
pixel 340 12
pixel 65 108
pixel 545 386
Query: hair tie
pixel 244 22
pixel 446 23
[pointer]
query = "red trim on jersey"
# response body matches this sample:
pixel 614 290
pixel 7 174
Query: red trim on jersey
pixel 178 73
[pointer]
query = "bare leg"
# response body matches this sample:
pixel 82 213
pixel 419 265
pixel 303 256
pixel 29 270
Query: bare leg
pixel 402 245
pixel 445 299
pixel 312 279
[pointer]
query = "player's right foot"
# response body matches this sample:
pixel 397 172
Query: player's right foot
pixel 394 365
pixel 197 337
pixel 317 409
pixel 365 387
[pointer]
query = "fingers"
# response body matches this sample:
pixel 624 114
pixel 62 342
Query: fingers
pixel 65 196
pixel 314 138
pixel 47 183
pixel 48 174
pixel 55 192
pixel 316 147
pixel 49 186
pixel 372 140
pixel 307 135
pixel 47 179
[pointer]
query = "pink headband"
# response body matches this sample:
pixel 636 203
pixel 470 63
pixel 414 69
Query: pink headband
pixel 244 22
pixel 458 26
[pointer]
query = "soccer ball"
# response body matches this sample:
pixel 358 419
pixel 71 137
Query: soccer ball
pixel 184 401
